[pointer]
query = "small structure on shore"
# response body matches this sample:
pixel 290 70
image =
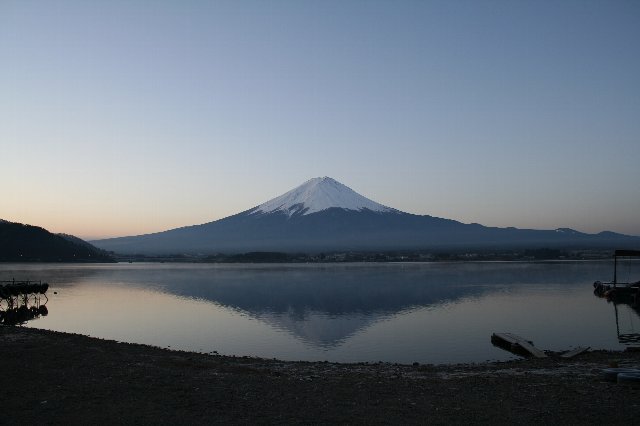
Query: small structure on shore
pixel 575 352
pixel 516 344
pixel 620 291
pixel 623 294
pixel 20 301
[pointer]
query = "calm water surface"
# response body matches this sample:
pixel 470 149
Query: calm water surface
pixel 429 313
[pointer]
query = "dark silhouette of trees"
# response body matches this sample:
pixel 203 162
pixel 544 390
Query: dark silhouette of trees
pixel 26 243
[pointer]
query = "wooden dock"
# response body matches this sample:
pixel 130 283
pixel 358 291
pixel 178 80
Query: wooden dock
pixel 516 344
pixel 15 288
pixel 20 301
pixel 574 352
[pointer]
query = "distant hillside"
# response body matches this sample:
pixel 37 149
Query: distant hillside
pixel 26 243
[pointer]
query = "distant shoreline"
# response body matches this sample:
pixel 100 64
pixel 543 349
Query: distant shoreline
pixel 378 257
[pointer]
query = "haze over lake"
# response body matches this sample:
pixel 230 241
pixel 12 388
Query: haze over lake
pixel 405 312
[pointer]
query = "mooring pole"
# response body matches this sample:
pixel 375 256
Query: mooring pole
pixel 615 307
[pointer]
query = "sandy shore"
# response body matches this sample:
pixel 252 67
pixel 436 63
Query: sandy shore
pixel 59 378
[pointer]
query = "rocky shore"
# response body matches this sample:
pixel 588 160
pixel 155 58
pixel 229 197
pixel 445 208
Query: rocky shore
pixel 59 378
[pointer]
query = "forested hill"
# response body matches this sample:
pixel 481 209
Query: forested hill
pixel 27 243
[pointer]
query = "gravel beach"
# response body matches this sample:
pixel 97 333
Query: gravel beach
pixel 60 378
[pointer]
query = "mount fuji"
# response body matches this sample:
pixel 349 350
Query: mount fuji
pixel 324 215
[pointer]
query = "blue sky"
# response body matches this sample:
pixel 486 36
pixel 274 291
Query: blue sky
pixel 128 117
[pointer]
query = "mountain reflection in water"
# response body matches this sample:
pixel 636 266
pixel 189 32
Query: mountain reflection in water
pixel 323 306
pixel 440 312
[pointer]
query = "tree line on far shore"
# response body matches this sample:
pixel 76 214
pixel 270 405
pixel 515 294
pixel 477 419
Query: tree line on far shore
pixel 27 243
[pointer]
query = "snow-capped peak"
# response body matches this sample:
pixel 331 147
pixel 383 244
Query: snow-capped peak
pixel 319 194
pixel 566 231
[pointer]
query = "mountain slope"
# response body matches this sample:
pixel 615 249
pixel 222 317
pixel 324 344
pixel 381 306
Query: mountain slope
pixel 25 243
pixel 324 215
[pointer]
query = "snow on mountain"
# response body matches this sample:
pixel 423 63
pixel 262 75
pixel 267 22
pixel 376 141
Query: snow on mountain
pixel 567 231
pixel 318 194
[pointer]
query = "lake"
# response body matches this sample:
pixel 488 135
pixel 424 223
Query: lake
pixel 392 312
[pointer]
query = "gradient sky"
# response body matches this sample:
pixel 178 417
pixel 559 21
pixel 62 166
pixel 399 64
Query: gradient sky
pixel 129 117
